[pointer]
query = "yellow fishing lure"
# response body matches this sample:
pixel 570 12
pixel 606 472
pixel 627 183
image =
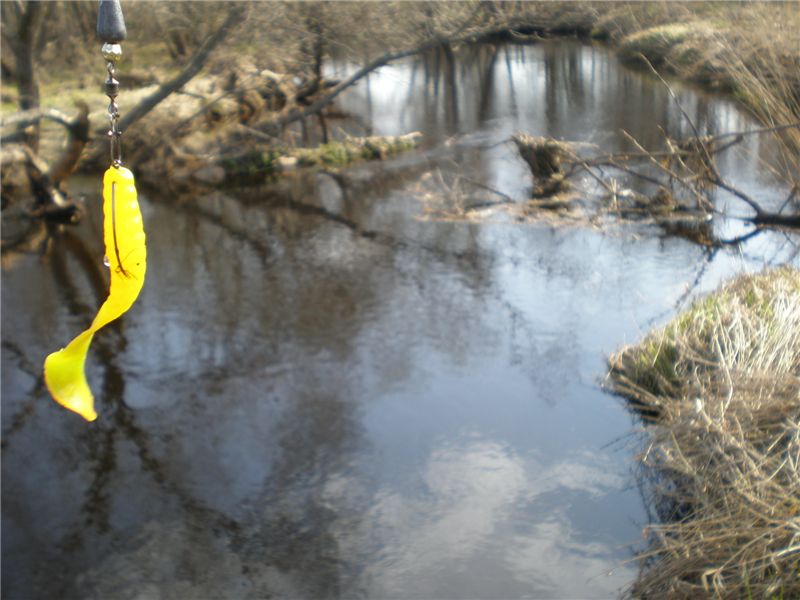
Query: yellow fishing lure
pixel 123 235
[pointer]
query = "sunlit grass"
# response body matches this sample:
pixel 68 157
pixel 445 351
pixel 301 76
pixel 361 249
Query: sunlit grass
pixel 721 382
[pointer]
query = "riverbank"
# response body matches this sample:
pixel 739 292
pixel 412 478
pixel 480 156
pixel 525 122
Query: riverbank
pixel 750 50
pixel 720 385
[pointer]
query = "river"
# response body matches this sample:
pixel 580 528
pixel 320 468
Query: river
pixel 323 392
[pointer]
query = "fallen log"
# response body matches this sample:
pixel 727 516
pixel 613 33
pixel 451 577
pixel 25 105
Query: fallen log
pixel 25 173
pixel 257 165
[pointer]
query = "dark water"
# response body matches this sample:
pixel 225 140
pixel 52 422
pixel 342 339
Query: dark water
pixel 322 394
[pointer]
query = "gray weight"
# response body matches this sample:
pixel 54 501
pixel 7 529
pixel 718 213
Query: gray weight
pixel 110 23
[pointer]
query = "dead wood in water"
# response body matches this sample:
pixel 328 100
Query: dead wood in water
pixel 258 164
pixel 542 154
pixel 685 174
pixel 704 170
pixel 25 172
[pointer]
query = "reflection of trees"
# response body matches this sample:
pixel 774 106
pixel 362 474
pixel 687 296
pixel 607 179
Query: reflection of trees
pixel 250 344
pixel 306 314
pixel 28 408
pixel 487 85
pixel 439 97
pixel 59 245
pixel 552 92
pixel 117 427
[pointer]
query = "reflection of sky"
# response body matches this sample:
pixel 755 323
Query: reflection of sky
pixel 568 91
pixel 479 523
pixel 368 405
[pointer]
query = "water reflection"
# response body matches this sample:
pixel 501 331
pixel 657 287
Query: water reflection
pixel 470 496
pixel 320 394
pixel 570 91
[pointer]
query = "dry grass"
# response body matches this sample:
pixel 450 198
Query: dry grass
pixel 750 49
pixel 762 60
pixel 721 384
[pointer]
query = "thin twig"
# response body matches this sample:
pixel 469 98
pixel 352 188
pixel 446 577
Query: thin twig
pixel 599 179
pixel 789 198
pixel 507 198
pixel 701 199
pixel 715 178
pixel 680 107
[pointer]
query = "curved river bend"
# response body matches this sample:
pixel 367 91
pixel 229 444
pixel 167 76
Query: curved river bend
pixel 321 393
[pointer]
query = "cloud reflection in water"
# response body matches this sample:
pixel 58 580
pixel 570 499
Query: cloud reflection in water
pixel 453 537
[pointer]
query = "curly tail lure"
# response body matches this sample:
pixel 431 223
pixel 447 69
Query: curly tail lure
pixel 123 236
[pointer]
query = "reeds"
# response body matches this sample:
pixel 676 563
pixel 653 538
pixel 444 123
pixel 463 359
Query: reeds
pixel 751 50
pixel 762 61
pixel 721 386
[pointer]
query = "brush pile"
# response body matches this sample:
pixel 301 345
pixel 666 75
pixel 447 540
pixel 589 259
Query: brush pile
pixel 720 386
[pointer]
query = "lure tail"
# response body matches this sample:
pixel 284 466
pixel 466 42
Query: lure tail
pixel 124 238
pixel 66 379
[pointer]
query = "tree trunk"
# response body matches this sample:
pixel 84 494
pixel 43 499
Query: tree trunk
pixel 25 71
pixel 235 17
pixel 24 173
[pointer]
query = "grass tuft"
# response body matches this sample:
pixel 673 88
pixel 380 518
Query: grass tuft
pixel 721 384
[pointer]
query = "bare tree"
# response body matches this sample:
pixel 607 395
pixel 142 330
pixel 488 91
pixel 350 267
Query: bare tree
pixel 24 19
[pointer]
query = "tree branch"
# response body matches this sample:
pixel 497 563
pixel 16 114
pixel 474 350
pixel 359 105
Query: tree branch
pixel 277 123
pixel 78 138
pixel 26 117
pixel 235 16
